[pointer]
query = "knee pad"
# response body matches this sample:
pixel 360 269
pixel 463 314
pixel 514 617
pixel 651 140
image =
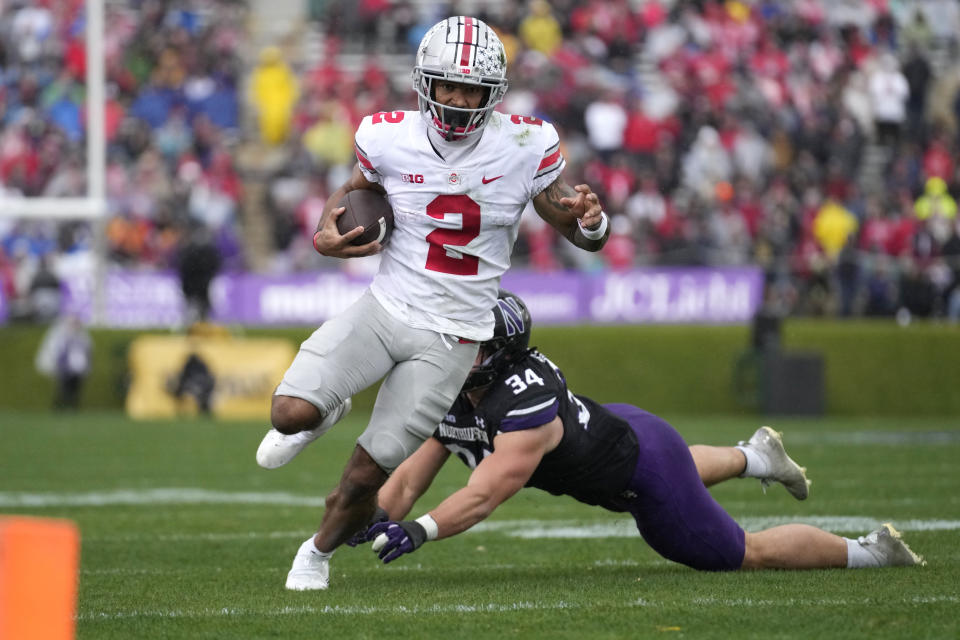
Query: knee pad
pixel 385 448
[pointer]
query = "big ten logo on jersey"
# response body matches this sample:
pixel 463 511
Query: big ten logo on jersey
pixel 387 116
pixel 415 178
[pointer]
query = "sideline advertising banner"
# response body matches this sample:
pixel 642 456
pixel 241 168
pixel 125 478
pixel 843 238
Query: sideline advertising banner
pixel 648 296
pixel 226 377
pixel 641 296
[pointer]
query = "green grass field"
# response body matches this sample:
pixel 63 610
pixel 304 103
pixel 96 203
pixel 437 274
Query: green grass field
pixel 183 536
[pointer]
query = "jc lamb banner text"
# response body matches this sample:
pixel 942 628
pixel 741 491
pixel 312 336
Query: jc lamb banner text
pixel 657 295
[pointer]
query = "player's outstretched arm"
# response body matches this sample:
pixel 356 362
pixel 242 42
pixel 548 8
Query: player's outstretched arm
pixel 575 212
pixel 327 240
pixel 412 478
pixel 515 457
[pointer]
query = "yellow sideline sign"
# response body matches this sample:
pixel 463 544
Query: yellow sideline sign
pixel 229 377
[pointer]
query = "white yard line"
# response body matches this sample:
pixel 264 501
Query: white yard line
pixel 562 529
pixel 412 568
pixel 330 610
pixel 627 529
pixel 673 603
pixel 204 537
pixel 882 438
pixel 819 602
pixel 136 497
pixel 597 528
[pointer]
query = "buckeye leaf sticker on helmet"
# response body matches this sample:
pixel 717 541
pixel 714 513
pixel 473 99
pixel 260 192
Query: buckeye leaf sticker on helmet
pixel 465 50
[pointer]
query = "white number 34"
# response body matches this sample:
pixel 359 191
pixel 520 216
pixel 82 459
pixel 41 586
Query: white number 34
pixel 529 378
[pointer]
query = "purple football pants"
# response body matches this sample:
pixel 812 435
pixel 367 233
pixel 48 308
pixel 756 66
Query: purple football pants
pixel 675 513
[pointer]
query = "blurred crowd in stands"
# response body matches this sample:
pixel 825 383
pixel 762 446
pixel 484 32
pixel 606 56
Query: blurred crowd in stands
pixel 172 122
pixel 817 139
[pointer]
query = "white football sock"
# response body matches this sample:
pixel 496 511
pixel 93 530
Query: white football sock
pixel 313 548
pixel 858 557
pixel 756 464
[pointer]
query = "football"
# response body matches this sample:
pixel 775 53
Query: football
pixel 367 209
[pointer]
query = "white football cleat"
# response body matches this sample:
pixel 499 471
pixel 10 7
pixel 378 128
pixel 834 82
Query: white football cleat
pixel 768 445
pixel 277 449
pixel 310 570
pixel 885 545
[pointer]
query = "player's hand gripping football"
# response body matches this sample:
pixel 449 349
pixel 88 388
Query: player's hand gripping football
pixel 328 241
pixel 586 206
pixel 393 539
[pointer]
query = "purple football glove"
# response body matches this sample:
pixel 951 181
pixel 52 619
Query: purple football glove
pixel 380 515
pixel 393 539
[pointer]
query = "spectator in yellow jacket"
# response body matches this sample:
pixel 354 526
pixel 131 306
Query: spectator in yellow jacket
pixel 937 209
pixel 274 92
pixel 540 31
pixel 832 226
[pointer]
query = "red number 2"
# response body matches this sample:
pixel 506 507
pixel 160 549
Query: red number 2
pixel 390 116
pixel 526 120
pixel 437 257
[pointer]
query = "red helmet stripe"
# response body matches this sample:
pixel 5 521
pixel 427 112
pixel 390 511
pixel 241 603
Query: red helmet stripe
pixel 467 42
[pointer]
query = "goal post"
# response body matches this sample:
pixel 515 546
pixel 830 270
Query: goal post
pixel 52 208
pixel 92 206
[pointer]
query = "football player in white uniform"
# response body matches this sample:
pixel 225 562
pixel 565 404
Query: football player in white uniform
pixel 458 175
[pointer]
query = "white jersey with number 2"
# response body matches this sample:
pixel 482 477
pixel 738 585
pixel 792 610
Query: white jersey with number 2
pixel 455 224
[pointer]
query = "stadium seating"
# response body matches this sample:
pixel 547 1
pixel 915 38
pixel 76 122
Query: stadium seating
pixel 797 136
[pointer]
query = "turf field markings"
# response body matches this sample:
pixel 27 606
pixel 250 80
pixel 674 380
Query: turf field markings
pixel 332 610
pixel 514 528
pixel 849 523
pixel 547 529
pixel 126 571
pixel 519 528
pixel 537 529
pixel 884 438
pixel 616 563
pixel 135 497
pixel 345 574
pixel 819 602
pixel 206 536
pixel 507 607
pixel 934 481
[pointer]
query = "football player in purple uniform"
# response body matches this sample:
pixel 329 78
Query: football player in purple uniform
pixel 516 424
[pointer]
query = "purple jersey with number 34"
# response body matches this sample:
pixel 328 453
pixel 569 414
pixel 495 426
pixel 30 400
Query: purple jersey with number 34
pixel 596 456
pixel 616 456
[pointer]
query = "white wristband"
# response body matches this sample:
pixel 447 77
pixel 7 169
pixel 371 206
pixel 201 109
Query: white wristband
pixel 594 234
pixel 429 525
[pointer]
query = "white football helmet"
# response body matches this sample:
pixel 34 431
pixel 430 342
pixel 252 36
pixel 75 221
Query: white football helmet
pixel 460 49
